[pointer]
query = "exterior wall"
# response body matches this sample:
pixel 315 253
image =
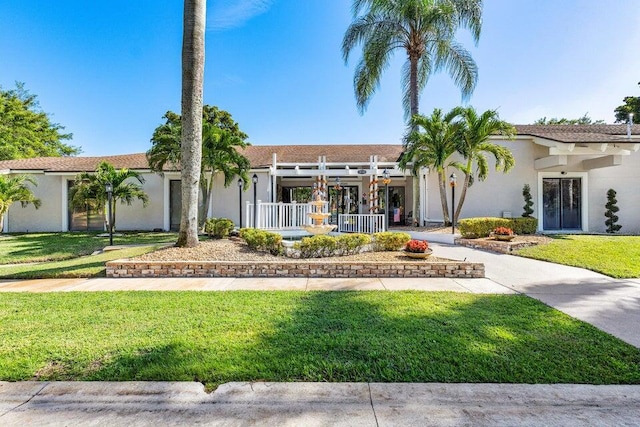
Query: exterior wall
pixel 137 217
pixel 225 201
pixel 49 216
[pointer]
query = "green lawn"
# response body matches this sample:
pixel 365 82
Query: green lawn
pixel 41 247
pixel 215 337
pixel 86 266
pixel 615 256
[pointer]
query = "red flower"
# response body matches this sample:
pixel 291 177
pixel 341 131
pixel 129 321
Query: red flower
pixel 503 231
pixel 417 246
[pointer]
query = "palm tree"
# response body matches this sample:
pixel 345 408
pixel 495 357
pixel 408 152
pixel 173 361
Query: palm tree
pixel 221 140
pixel 89 188
pixel 475 143
pixel 425 30
pixel 432 147
pixel 194 21
pixel 14 189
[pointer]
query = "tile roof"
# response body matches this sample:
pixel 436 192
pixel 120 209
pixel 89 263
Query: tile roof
pixel 261 155
pixel 579 133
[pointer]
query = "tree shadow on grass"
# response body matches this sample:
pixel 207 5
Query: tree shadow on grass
pixel 391 337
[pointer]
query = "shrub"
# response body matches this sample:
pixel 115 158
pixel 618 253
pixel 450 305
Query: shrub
pixel 474 228
pixel 261 240
pixel 218 228
pixel 610 213
pixel 528 225
pixel 325 246
pixel 389 241
pixel 526 193
pixel 416 246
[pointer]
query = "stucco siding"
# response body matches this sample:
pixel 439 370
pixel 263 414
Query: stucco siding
pixel 137 217
pixel 48 217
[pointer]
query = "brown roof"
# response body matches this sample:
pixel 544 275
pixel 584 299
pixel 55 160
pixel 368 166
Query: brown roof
pixel 579 133
pixel 258 155
pixel 261 155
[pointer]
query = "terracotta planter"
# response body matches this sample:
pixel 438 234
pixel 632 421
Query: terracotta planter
pixel 419 255
pixel 504 237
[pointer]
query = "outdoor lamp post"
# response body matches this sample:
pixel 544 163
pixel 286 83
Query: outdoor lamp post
pixel 452 181
pixel 240 183
pixel 255 199
pixel 108 187
pixel 386 180
pixel 340 202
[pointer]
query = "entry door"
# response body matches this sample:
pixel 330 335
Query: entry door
pixel 175 204
pixel 562 201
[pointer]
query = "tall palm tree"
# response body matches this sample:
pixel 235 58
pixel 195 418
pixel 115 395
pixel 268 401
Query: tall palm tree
pixel 194 21
pixel 425 31
pixel 475 144
pixel 221 142
pixel 89 188
pixel 431 145
pixel 15 189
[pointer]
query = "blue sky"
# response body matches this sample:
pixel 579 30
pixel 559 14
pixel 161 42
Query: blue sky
pixel 109 70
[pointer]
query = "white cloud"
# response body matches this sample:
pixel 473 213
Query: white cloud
pixel 227 14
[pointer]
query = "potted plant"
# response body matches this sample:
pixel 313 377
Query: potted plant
pixel 503 233
pixel 417 249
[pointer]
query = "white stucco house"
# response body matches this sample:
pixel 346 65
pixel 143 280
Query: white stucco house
pixel 569 168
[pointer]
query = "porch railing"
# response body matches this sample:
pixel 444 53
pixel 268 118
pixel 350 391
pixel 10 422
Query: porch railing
pixel 279 216
pixel 361 223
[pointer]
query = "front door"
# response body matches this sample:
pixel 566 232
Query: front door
pixel 175 204
pixel 562 201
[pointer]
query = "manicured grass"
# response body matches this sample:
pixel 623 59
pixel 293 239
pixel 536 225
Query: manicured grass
pixel 41 247
pixel 86 266
pixel 615 256
pixel 297 336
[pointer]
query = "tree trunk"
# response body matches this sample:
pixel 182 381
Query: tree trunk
pixel 191 139
pixel 206 187
pixel 413 110
pixel 443 197
pixel 2 221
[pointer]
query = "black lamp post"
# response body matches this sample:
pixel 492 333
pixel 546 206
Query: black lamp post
pixel 386 180
pixel 254 178
pixel 452 182
pixel 338 188
pixel 108 187
pixel 240 183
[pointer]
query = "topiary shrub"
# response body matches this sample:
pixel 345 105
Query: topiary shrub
pixel 610 213
pixel 389 241
pixel 526 193
pixel 218 228
pixel 261 240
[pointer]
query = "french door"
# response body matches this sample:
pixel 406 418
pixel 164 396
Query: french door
pixel 562 203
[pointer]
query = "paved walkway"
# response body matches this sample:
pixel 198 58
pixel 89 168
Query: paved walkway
pixel 315 404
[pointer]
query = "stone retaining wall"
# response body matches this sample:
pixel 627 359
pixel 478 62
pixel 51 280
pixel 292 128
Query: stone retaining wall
pixel 299 268
pixel 494 245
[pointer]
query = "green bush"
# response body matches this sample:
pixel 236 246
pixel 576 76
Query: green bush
pixel 218 228
pixel 389 241
pixel 325 246
pixel 261 240
pixel 474 228
pixel 525 225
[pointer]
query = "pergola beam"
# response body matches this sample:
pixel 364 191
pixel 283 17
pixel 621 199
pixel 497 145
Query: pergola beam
pixel 602 162
pixel 550 162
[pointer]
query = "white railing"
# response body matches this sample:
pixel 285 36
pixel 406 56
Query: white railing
pixel 357 223
pixel 279 216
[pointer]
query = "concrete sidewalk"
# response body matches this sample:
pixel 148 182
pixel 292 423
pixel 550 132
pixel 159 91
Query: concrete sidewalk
pixel 314 404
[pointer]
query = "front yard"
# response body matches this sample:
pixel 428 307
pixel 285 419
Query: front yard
pixel 615 256
pixel 215 337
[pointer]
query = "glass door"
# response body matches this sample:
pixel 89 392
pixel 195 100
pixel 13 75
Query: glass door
pixel 562 203
pixel 175 204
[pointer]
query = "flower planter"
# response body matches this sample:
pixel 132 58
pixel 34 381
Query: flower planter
pixel 504 237
pixel 418 255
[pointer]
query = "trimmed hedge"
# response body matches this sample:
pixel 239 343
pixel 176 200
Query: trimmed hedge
pixel 326 246
pixel 474 228
pixel 261 240
pixel 389 241
pixel 218 228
